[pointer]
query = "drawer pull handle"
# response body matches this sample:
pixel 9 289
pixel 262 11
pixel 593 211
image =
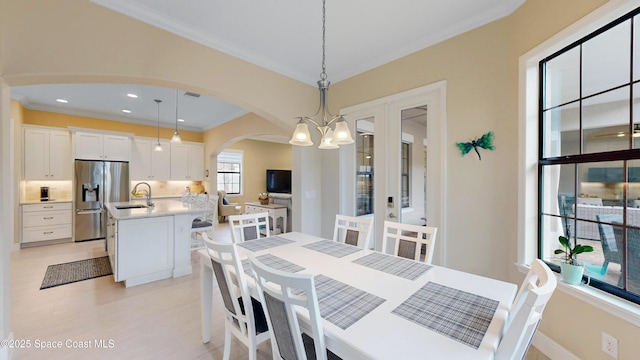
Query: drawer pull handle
pixel 47 232
pixel 48 217
pixel 48 207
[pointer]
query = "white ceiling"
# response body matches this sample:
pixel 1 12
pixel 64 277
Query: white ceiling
pixel 284 36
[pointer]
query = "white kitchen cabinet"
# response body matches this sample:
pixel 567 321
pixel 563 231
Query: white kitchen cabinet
pixel 147 164
pixel 187 161
pixel 112 232
pixel 45 221
pixel 102 146
pixel 47 154
pixel 144 248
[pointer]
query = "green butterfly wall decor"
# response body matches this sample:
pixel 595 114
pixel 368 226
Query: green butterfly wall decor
pixel 485 142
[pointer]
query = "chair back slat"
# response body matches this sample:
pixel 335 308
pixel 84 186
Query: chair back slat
pixel 249 226
pixel 277 310
pixel 205 221
pixel 353 230
pixel 526 311
pixel 232 283
pixel 243 316
pixel 408 240
pixel 282 292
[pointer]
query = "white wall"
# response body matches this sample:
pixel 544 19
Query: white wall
pixel 7 216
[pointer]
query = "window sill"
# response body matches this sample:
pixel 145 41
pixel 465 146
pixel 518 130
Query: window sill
pixel 615 306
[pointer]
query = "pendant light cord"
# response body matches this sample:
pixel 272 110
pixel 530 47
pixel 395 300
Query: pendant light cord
pixel 323 74
pixel 176 111
pixel 158 102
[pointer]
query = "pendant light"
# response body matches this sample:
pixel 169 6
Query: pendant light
pixel 331 137
pixel 176 137
pixel 158 146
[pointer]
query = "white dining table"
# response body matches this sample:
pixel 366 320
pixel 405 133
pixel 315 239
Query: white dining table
pixel 381 333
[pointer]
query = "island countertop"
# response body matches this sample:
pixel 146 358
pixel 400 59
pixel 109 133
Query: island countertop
pixel 162 207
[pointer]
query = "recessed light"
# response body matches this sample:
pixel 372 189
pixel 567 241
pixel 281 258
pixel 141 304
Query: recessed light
pixel 62 101
pixel 180 120
pixel 134 96
pixel 126 111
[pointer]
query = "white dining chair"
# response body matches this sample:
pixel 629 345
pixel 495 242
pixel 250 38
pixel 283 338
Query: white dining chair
pixel 247 323
pixel 354 231
pixel 204 221
pixel 280 295
pixel 249 226
pixel 526 312
pixel 408 240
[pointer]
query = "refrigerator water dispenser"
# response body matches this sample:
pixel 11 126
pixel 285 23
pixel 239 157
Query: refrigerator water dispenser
pixel 90 192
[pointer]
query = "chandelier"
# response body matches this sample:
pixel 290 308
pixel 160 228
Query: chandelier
pixel 332 128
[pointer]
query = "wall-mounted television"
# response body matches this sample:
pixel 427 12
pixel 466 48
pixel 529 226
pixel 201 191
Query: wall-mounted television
pixel 279 181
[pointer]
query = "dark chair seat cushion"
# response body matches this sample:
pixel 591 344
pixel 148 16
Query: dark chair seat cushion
pixel 198 223
pixel 309 349
pixel 258 314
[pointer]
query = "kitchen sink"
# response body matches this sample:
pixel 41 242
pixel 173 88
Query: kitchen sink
pixel 131 206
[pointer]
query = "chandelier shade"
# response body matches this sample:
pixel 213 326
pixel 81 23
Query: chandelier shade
pixel 333 129
pixel 342 134
pixel 327 141
pixel 301 136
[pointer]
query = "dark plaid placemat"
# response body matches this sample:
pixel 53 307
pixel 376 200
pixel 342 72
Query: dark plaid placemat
pixel 398 266
pixel 457 314
pixel 342 304
pixel 273 262
pixel 332 248
pixel 264 243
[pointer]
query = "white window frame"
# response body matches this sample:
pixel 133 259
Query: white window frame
pixel 230 153
pixel 528 154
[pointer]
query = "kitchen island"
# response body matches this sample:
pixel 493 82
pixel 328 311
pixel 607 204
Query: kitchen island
pixel 147 244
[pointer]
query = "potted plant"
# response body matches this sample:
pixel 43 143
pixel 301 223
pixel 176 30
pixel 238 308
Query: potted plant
pixel 264 198
pixel 571 270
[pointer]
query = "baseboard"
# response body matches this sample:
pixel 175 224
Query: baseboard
pixel 551 349
pixel 183 271
pixel 7 351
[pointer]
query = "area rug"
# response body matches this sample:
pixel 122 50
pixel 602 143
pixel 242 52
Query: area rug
pixel 67 273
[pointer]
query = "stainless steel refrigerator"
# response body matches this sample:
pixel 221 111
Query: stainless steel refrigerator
pixel 97 183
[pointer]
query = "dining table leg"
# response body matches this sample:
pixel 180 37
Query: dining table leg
pixel 206 288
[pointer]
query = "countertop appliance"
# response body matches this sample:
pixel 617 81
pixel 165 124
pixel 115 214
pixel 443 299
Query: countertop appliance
pixel 97 182
pixel 44 193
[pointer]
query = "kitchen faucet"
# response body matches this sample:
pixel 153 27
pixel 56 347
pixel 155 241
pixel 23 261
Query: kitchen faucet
pixel 148 195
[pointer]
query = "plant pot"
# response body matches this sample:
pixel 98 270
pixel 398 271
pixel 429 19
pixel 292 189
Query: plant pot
pixel 264 201
pixel 571 274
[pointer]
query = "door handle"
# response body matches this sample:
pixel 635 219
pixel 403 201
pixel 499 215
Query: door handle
pixel 88 212
pixel 392 216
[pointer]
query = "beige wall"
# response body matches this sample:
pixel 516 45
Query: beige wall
pixel 17 115
pixel 80 42
pixel 45 118
pixel 224 136
pixel 258 156
pixel 481 70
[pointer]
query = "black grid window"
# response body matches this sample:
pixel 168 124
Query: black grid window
pixel 404 178
pixel 230 172
pixel 589 155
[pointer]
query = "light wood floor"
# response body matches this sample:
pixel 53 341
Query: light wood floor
pixel 160 320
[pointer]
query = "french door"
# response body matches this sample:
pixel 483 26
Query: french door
pixel 396 170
